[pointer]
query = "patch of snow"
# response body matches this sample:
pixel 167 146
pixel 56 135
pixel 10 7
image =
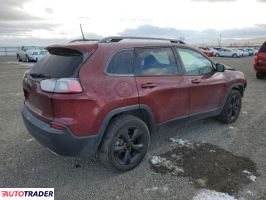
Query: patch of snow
pixel 252 178
pixel 249 192
pixel 155 160
pixel 181 142
pixel 245 112
pixel 246 172
pixel 29 140
pixel 212 151
pixel 212 195
pixel 151 189
pixel 231 127
pixel 159 161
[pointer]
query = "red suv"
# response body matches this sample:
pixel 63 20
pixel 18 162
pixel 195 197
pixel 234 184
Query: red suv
pixel 260 62
pixel 109 96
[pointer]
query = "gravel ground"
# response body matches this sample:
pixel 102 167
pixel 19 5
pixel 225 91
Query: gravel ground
pixel 24 163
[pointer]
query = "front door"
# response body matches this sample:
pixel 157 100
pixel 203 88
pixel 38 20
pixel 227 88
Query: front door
pixel 207 87
pixel 159 84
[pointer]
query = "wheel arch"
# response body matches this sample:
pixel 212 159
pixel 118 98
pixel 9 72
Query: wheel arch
pixel 240 88
pixel 141 111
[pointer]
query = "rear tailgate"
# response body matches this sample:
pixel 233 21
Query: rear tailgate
pixel 59 63
pixel 37 101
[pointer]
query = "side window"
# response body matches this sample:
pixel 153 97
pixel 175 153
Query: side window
pixel 194 63
pixel 155 62
pixel 121 63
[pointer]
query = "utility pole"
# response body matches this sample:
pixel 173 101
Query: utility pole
pixel 82 32
pixel 220 39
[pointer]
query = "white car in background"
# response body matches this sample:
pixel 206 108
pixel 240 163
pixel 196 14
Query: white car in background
pixel 251 51
pixel 238 51
pixel 225 52
pixel 244 52
pixel 30 53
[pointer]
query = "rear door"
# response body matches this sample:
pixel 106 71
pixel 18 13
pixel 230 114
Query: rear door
pixel 207 88
pixel 159 84
pixel 59 63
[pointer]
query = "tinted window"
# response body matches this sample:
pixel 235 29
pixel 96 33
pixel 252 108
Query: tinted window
pixel 194 62
pixel 263 48
pixel 59 63
pixel 121 63
pixel 155 61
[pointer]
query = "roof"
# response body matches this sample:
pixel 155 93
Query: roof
pixel 120 43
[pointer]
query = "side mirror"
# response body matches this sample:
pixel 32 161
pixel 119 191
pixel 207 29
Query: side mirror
pixel 220 67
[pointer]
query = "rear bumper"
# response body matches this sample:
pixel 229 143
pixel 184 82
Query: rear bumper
pixel 260 68
pixel 61 142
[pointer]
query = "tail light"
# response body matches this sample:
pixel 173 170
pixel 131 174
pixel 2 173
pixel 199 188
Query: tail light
pixel 63 85
pixel 258 59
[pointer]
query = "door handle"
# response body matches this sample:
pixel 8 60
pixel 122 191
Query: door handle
pixel 148 85
pixel 195 81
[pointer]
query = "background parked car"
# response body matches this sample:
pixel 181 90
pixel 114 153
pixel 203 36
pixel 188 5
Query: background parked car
pixel 30 53
pixel 251 51
pixel 238 52
pixel 224 52
pixel 244 52
pixel 206 51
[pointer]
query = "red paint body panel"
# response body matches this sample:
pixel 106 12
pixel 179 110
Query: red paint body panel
pixel 37 101
pixel 260 63
pixel 168 100
pixel 206 91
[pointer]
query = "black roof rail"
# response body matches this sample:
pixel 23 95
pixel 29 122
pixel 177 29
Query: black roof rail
pixel 84 40
pixel 119 38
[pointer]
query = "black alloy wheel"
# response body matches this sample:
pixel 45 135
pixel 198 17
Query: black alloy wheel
pixel 129 146
pixel 231 108
pixel 125 143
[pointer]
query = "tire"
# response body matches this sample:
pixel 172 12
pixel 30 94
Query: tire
pixel 125 144
pixel 27 58
pixel 260 75
pixel 234 55
pixel 231 108
pixel 18 58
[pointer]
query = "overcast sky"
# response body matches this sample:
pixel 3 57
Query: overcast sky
pixel 52 21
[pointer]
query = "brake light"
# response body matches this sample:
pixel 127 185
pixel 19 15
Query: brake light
pixel 258 59
pixel 63 85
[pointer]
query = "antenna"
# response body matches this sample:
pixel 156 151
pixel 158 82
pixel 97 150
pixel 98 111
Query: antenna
pixel 82 32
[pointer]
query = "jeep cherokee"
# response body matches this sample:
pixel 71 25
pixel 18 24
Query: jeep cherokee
pixel 109 96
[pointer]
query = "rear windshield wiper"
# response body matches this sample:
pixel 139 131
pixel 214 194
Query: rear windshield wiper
pixel 39 75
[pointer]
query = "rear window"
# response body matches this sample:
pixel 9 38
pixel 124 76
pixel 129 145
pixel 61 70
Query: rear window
pixel 263 48
pixel 58 63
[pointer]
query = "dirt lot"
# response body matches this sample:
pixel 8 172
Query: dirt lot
pixel 203 156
